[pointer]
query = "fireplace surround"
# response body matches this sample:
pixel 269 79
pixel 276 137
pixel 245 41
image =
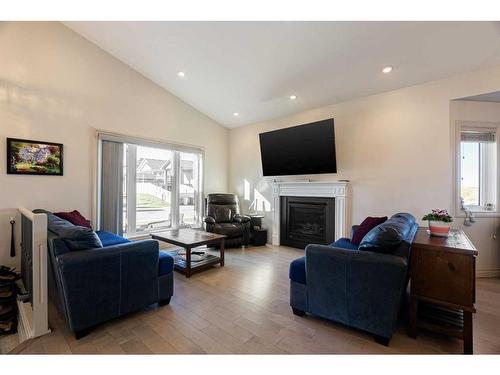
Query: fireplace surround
pixel 339 190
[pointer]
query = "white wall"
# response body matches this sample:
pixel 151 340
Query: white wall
pixel 56 86
pixel 394 147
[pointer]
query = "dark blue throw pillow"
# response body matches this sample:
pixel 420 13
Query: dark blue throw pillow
pixel 386 237
pixel 75 237
pixel 80 238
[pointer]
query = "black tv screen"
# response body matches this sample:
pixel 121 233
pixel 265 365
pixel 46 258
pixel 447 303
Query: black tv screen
pixel 303 149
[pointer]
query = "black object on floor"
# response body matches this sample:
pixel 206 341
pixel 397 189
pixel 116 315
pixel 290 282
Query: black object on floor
pixel 259 237
pixel 8 300
pixel 12 242
pixel 8 275
pixel 7 293
pixel 8 326
pixel 7 310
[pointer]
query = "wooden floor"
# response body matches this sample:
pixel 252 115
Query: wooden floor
pixel 243 308
pixel 8 343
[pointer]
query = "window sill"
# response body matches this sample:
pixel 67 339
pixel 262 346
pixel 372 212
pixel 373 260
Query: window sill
pixel 147 235
pixel 137 236
pixel 480 213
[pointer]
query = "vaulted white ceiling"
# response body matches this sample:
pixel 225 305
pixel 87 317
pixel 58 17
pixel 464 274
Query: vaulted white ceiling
pixel 253 67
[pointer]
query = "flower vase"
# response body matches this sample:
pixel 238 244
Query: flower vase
pixel 439 228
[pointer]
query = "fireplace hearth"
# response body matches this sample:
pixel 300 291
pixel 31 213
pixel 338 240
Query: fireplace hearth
pixel 306 220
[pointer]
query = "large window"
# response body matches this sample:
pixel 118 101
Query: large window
pixel 478 175
pixel 161 186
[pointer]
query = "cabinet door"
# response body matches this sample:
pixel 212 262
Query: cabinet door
pixel 443 276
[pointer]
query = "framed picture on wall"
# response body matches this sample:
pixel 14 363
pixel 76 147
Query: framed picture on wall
pixel 29 157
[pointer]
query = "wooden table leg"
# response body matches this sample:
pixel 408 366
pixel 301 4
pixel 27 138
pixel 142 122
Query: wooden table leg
pixel 468 332
pixel 412 328
pixel 222 245
pixel 188 262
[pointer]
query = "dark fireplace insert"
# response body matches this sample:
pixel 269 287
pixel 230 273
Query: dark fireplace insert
pixel 306 220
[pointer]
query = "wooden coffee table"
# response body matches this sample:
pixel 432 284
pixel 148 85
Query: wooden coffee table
pixel 189 239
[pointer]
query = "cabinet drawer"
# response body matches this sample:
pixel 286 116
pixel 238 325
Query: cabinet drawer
pixel 443 276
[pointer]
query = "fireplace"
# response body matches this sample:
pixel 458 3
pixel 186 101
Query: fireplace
pixel 306 220
pixel 339 191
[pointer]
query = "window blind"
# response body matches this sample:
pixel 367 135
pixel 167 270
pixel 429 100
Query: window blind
pixel 149 143
pixel 112 187
pixel 477 136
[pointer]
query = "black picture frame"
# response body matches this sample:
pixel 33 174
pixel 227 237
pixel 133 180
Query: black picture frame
pixel 11 168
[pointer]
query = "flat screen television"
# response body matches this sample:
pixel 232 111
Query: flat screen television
pixel 303 149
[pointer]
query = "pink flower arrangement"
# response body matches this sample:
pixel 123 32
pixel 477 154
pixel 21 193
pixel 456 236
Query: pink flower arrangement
pixel 438 214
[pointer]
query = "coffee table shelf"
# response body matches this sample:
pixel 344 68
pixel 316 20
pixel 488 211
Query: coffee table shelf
pixel 181 264
pixel 190 239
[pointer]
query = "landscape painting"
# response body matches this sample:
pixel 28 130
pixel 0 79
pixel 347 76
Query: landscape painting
pixel 34 157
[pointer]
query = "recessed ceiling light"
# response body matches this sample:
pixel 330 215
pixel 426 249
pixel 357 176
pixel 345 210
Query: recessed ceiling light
pixel 236 114
pixel 292 97
pixel 181 74
pixel 387 69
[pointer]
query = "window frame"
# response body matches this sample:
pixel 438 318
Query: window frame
pixel 176 148
pixel 457 154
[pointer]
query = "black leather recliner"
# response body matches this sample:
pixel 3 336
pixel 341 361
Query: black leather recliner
pixel 223 217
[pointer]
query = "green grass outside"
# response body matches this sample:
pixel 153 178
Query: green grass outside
pixel 150 201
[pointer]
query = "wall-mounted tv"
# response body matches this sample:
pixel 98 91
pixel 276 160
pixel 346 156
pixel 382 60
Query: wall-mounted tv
pixel 303 149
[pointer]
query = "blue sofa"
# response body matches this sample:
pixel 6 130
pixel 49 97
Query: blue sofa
pixel 359 287
pixel 98 276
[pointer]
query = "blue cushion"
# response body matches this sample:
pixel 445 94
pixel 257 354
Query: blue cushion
pixel 409 218
pixel 166 263
pixel 344 243
pixel 386 237
pixel 80 238
pixel 297 270
pixel 75 237
pixel 110 239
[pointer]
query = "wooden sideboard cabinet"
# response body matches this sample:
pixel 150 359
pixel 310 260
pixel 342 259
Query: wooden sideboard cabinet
pixel 443 285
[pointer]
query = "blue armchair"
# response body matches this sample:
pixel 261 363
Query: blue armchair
pixel 362 288
pixel 108 278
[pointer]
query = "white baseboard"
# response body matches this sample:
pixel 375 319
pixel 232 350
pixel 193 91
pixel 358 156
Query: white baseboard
pixel 482 274
pixel 25 327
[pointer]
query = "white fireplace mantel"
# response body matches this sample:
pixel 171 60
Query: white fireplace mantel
pixel 334 189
